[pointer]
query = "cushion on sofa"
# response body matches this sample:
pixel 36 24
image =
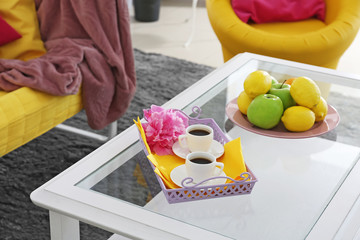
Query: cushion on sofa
pixel 21 15
pixel 263 11
pixel 7 33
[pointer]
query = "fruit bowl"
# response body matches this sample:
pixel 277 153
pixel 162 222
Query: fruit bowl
pixel 329 123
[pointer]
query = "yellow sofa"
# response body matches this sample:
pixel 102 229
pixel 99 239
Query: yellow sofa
pixel 309 41
pixel 26 114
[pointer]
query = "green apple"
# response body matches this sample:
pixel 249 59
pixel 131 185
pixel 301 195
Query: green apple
pixel 265 111
pixel 282 90
pixel 273 80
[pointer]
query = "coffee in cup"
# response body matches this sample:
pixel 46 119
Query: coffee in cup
pixel 197 138
pixel 202 165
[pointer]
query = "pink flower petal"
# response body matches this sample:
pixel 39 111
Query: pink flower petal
pixel 163 128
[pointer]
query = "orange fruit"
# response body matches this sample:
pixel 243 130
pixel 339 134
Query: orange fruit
pixel 289 81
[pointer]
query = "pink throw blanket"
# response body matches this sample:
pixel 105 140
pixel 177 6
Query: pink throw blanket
pixel 89 45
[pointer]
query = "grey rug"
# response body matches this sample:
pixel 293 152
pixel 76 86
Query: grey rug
pixel 31 165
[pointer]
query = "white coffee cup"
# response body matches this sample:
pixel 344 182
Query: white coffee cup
pixel 198 138
pixel 202 165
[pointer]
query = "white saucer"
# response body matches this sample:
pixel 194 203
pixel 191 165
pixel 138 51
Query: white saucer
pixel 217 149
pixel 178 174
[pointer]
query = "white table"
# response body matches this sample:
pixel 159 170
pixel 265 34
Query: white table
pixel 307 188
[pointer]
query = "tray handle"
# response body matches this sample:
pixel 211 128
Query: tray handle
pixel 196 110
pixel 246 176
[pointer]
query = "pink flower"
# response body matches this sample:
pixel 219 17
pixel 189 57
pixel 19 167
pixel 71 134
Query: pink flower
pixel 163 128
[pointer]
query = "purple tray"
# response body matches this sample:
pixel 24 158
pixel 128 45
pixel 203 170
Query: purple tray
pixel 198 192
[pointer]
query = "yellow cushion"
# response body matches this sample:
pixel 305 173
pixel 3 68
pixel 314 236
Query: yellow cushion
pixel 26 114
pixel 21 15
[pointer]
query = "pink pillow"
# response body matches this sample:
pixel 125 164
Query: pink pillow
pixel 262 11
pixel 7 33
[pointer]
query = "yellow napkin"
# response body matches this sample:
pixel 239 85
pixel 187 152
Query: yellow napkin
pixel 142 133
pixel 164 165
pixel 232 158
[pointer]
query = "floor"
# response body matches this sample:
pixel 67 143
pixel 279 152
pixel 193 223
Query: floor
pixel 169 34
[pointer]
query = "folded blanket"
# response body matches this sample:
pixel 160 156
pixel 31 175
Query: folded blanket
pixel 89 45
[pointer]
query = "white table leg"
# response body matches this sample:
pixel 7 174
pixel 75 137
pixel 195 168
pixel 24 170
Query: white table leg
pixel 63 227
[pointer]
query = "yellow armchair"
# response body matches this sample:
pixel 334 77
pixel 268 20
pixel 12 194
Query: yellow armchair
pixel 26 114
pixel 310 41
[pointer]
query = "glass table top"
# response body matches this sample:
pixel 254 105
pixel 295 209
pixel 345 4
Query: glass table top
pixel 297 177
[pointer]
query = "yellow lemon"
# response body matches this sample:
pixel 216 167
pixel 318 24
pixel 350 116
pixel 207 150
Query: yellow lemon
pixel 298 118
pixel 257 82
pixel 243 102
pixel 305 92
pixel 320 110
